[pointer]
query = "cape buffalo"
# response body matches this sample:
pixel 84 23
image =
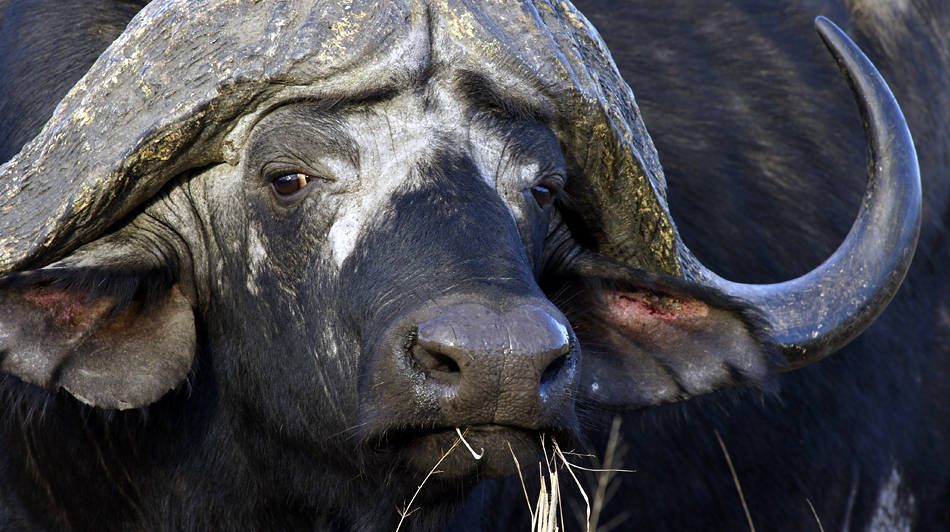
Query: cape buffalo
pixel 366 266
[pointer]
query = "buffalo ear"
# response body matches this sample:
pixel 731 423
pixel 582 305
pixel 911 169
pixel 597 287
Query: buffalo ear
pixel 648 339
pixel 114 341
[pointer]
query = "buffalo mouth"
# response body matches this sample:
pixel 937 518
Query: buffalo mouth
pixel 476 452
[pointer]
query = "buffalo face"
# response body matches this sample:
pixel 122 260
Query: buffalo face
pixel 415 227
pixel 403 234
pixel 370 270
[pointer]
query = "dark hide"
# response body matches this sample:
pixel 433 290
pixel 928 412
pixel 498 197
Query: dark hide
pixel 763 152
pixel 773 137
pixel 254 362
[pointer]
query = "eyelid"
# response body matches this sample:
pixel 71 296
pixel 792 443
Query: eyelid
pixel 276 169
pixel 552 180
pixel 270 176
pixel 289 187
pixel 328 168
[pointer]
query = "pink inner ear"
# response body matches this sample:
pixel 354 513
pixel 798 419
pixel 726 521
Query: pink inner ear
pixel 67 306
pixel 636 307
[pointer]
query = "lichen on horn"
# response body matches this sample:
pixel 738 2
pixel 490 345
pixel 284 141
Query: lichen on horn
pixel 186 78
pixel 161 100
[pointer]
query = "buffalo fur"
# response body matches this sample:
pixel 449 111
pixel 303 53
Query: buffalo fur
pixel 764 155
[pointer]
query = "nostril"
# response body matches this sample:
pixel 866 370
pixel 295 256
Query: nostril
pixel 553 370
pixel 434 361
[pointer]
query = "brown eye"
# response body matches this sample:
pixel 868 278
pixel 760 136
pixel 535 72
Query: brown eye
pixel 542 194
pixel 286 185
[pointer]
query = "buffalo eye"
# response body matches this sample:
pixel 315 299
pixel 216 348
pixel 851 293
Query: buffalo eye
pixel 542 194
pixel 287 184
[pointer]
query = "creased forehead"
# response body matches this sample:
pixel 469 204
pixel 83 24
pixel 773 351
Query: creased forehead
pixel 387 50
pixel 181 86
pixel 360 45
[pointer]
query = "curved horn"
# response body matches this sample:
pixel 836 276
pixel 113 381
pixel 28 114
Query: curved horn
pixel 186 81
pixel 820 312
pixel 166 97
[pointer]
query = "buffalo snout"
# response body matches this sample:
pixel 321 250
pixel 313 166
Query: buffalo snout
pixel 506 376
pixel 488 367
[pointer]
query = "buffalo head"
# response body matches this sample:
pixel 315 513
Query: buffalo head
pixel 361 227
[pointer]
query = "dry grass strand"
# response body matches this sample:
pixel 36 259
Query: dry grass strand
pixel 735 478
pixel 820 528
pixel 521 477
pixel 606 475
pixel 557 450
pixel 403 514
pixel 462 438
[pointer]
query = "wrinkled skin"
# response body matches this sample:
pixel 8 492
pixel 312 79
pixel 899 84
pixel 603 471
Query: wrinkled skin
pixel 367 275
pixel 309 419
pixel 860 436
